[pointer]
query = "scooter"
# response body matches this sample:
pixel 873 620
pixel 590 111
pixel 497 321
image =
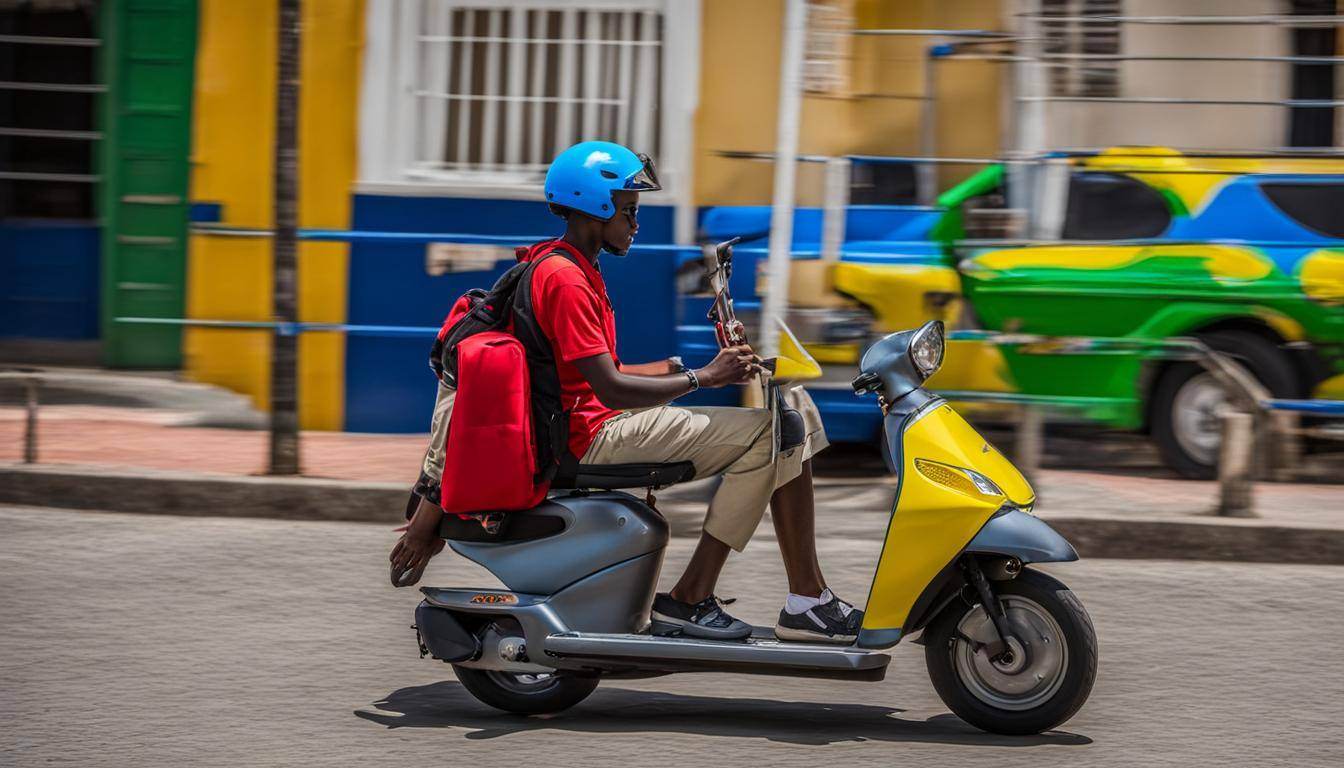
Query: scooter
pixel 1008 648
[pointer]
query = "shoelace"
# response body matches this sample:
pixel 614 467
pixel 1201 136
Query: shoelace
pixel 714 604
pixel 845 608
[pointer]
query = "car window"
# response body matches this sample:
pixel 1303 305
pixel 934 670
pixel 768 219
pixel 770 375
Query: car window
pixel 1107 206
pixel 1318 207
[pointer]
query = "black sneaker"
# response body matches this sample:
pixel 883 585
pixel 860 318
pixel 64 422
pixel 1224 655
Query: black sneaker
pixel 831 622
pixel 705 619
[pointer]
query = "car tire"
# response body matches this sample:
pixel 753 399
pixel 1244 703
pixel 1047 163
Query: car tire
pixel 1185 396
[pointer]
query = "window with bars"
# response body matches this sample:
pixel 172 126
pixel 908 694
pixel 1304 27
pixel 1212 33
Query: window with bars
pixel 48 92
pixel 490 91
pixel 1071 44
pixel 827 54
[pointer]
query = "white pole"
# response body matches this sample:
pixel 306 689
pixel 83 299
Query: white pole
pixel 833 208
pixel 776 300
pixel 1032 83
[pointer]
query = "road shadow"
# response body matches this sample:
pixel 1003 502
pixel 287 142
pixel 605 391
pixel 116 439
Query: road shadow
pixel 620 710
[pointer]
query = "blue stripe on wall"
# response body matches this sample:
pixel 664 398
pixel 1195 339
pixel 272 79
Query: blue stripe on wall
pixel 388 384
pixel 49 280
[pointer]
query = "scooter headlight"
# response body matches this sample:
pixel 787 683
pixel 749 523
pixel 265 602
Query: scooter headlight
pixel 926 348
pixel 982 483
pixel 966 481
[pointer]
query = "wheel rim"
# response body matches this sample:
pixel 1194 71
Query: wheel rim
pixel 525 683
pixel 1040 656
pixel 1194 417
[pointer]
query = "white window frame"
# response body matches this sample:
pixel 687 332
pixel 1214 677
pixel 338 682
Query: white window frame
pixel 388 130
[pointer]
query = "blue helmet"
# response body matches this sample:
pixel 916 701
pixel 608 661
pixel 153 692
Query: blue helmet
pixel 584 176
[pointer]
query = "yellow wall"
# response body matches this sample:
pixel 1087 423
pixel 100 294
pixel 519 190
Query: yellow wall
pixel 739 88
pixel 233 132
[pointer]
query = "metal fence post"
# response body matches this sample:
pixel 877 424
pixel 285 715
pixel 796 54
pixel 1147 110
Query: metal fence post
pixel 1235 464
pixel 30 426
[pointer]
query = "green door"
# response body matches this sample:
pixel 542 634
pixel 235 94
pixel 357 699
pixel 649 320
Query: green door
pixel 148 63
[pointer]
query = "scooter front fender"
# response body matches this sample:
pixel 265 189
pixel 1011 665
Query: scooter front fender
pixel 1015 533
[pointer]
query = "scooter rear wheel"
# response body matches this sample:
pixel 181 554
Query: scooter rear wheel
pixel 1042 685
pixel 525 694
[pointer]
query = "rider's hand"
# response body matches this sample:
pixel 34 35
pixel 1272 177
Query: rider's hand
pixel 418 544
pixel 733 365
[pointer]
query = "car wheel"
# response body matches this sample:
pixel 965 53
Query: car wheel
pixel 1187 399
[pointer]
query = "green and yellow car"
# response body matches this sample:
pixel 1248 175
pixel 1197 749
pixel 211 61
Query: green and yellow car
pixel 1136 244
pixel 1245 254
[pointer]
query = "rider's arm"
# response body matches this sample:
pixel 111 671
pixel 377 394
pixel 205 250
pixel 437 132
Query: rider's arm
pixel 617 389
pixel 647 369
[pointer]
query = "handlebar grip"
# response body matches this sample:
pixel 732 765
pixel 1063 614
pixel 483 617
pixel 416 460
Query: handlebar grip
pixel 865 383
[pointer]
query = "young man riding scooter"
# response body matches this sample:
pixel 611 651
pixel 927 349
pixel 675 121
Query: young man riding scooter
pixel 620 413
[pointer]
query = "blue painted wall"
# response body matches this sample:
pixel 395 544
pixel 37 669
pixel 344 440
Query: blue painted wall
pixel 388 384
pixel 49 279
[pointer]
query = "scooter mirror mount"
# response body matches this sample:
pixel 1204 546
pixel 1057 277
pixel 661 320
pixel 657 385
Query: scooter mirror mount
pixel 729 331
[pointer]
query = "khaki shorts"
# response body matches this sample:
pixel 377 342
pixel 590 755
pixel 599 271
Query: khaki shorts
pixel 734 442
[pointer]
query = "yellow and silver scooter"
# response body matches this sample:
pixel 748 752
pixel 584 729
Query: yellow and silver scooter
pixel 1009 648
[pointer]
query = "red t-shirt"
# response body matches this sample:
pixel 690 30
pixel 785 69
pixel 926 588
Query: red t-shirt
pixel 571 305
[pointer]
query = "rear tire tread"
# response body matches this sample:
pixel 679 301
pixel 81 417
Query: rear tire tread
pixel 563 693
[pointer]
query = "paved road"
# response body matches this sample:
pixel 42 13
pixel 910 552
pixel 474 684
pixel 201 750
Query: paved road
pixel 129 640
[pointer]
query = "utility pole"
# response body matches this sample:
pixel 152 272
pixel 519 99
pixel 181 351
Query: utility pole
pixel 776 300
pixel 285 340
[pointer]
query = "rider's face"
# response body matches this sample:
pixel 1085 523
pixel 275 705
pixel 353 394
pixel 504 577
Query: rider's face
pixel 618 234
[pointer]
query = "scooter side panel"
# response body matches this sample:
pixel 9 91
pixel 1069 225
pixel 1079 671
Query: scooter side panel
pixel 617 599
pixel 601 529
pixel 930 523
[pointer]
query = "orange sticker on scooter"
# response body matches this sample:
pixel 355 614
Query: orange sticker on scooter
pixel 494 599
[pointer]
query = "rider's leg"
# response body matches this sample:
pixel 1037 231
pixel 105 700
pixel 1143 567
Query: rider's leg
pixel 792 511
pixel 733 441
pixel 702 572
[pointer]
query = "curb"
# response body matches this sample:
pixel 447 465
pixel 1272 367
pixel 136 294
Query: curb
pixel 1141 539
pixel 201 495
pixel 304 498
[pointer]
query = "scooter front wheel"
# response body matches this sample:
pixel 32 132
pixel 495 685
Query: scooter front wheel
pixel 525 694
pixel 1046 675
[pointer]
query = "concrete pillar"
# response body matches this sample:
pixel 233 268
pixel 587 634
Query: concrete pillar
pixel 1235 462
pixel 1285 446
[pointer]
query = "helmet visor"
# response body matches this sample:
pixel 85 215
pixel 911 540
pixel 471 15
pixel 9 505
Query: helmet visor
pixel 645 179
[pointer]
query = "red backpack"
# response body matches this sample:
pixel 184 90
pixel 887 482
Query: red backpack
pixel 508 432
pixel 490 462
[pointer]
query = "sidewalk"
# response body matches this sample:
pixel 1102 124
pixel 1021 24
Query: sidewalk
pixel 140 438
pixel 144 460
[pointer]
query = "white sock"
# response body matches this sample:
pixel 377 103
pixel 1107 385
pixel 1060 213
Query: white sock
pixel 797 604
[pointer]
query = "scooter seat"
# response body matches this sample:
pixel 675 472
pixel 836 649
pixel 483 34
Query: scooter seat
pixel 536 523
pixel 609 477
